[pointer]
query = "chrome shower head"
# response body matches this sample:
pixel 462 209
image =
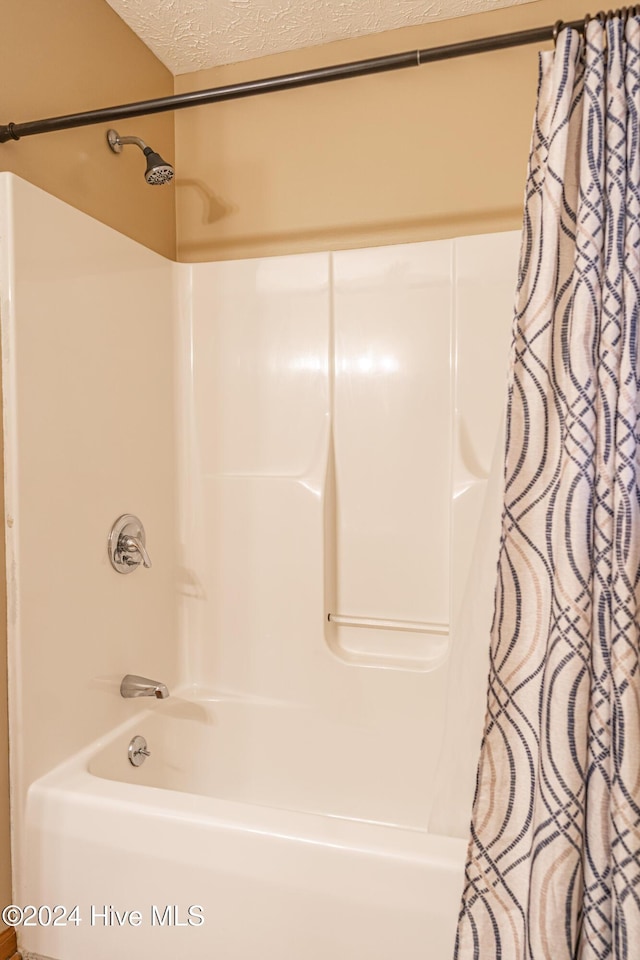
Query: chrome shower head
pixel 158 170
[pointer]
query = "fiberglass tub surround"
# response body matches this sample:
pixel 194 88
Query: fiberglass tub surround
pixel 314 437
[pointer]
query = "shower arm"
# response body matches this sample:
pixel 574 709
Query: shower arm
pixel 119 141
pixel 345 71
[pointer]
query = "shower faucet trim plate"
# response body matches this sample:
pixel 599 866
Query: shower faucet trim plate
pixel 127 544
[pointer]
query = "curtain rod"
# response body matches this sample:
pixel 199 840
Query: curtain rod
pixel 360 68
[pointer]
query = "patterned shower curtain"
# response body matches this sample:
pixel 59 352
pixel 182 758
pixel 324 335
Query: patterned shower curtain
pixel 553 870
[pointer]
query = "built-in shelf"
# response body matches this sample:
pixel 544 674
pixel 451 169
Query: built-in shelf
pixel 410 626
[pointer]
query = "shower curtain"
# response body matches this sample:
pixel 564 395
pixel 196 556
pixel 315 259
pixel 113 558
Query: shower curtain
pixel 553 870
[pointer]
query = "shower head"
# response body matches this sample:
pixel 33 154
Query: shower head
pixel 158 170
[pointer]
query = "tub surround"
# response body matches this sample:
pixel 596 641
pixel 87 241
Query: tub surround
pixel 87 350
pixel 255 415
pixel 294 495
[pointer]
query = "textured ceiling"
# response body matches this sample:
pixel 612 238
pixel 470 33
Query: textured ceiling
pixel 191 35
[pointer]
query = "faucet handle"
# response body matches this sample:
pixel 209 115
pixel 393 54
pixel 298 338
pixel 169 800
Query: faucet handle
pixel 134 545
pixel 127 544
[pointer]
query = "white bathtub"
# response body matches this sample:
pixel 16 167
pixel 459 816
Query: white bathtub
pixel 283 861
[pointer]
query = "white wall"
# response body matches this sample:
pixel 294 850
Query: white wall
pixel 391 413
pixel 88 379
pixel 342 412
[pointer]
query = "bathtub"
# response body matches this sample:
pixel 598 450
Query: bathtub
pixel 257 854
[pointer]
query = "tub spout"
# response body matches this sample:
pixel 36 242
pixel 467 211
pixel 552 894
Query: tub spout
pixel 133 686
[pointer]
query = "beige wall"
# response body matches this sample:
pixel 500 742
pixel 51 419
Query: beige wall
pixel 62 56
pixel 417 154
